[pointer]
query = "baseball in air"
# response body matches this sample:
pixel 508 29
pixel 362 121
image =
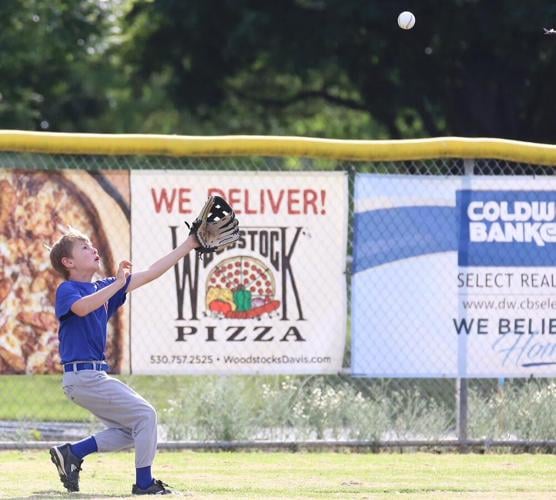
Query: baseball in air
pixel 406 20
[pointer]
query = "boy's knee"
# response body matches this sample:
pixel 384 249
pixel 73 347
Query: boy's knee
pixel 150 415
pixel 145 417
pixel 146 420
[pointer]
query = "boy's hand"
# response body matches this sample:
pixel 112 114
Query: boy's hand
pixel 124 269
pixel 193 241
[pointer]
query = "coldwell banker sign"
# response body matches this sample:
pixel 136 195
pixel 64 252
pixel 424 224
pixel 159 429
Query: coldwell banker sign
pixel 274 302
pixel 454 277
pixel 507 228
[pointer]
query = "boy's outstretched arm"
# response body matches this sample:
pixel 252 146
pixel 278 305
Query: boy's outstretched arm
pixel 162 265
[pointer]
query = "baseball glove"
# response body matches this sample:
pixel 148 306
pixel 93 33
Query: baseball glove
pixel 215 226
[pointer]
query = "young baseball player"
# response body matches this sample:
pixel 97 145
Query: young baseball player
pixel 83 308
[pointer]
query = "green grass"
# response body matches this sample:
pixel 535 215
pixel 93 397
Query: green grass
pixel 41 398
pixel 28 397
pixel 294 475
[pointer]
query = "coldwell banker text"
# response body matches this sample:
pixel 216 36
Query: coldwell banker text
pixel 517 221
pixel 506 228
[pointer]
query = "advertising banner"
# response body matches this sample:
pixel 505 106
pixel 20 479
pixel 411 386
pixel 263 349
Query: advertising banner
pixel 36 208
pixel 454 277
pixel 273 302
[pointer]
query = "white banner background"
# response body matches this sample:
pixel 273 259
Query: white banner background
pixel 405 310
pixel 290 318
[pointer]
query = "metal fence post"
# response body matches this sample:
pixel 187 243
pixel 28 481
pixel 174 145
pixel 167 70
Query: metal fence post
pixel 461 416
pixel 461 383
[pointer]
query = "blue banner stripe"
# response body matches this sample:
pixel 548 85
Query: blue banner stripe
pixel 388 235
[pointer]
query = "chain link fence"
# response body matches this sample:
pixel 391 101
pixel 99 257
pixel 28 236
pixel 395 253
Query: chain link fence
pixel 40 193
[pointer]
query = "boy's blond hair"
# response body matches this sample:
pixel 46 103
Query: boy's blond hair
pixel 63 248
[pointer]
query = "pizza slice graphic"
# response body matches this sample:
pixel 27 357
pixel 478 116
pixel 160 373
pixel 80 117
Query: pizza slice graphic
pixel 241 287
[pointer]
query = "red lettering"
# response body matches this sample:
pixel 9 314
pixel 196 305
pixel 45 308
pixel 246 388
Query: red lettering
pixel 275 205
pixel 234 199
pixel 184 201
pixel 273 201
pixel 163 199
pixel 309 200
pixel 249 210
pixel 293 199
pixel 166 199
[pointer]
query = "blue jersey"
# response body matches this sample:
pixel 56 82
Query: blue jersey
pixel 84 338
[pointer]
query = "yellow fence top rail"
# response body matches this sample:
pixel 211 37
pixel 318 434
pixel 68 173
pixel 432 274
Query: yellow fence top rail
pixel 241 145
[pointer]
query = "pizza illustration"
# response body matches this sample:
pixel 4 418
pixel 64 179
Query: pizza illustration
pixel 35 208
pixel 241 288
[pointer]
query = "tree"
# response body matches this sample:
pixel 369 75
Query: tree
pixel 52 69
pixel 469 67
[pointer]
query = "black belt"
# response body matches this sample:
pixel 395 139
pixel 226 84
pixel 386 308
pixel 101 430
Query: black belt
pixel 77 366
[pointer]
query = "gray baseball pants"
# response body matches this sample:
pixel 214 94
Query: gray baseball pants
pixel 130 419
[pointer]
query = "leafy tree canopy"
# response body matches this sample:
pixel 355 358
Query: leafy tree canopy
pixel 469 67
pixel 336 68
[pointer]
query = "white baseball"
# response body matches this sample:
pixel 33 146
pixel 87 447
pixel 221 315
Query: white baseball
pixel 406 20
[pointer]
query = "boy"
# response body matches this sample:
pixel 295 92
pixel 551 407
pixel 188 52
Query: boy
pixel 83 308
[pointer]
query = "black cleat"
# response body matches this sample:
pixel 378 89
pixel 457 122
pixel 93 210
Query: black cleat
pixel 157 488
pixel 68 466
